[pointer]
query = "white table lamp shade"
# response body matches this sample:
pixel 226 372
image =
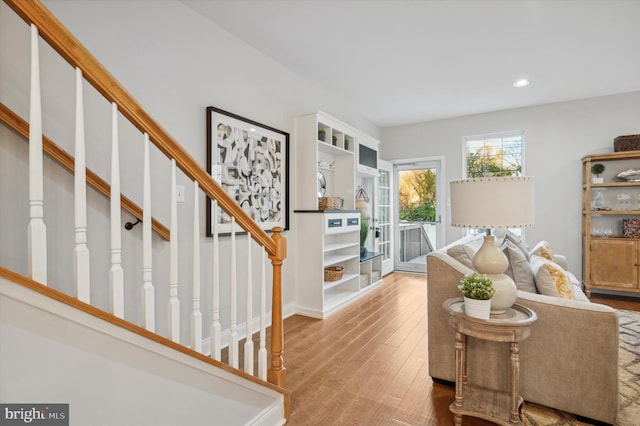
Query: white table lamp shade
pixel 492 202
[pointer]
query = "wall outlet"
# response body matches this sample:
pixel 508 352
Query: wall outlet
pixel 180 193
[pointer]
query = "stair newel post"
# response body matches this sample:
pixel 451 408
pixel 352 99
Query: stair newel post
pixel 262 352
pixel 148 292
pixel 37 230
pixel 196 315
pixel 248 343
pixel 233 331
pixel 277 373
pixel 116 273
pixel 81 258
pixel 216 329
pixel 174 303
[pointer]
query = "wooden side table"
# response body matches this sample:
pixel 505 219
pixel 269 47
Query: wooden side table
pixel 511 327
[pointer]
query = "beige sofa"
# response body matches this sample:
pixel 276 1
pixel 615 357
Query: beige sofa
pixel 570 361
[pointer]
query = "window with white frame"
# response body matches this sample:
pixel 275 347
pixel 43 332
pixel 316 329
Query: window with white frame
pixel 494 155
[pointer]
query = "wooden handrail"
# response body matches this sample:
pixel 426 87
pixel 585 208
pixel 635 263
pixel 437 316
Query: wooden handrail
pixel 65 159
pixel 67 46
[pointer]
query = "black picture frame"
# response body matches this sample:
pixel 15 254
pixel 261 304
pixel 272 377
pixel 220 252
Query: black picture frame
pixel 250 161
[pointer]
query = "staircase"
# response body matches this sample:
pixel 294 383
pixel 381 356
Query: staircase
pixel 111 325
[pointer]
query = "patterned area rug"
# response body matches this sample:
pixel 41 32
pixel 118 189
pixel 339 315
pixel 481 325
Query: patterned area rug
pixel 629 371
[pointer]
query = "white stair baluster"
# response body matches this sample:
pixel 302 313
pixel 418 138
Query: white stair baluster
pixel 216 330
pixel 116 273
pixel 81 257
pixel 233 333
pixel 36 230
pixel 262 352
pixel 174 303
pixel 248 343
pixel 196 315
pixel 148 291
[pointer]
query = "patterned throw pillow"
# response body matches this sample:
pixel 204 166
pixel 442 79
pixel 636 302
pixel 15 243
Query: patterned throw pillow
pixel 543 249
pixel 551 279
pixel 518 268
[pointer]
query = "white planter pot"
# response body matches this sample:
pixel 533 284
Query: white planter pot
pixel 597 180
pixel 477 308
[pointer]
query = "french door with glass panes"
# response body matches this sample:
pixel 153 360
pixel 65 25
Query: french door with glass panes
pixel 384 216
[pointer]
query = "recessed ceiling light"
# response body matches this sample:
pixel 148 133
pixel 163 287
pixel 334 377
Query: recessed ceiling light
pixel 521 83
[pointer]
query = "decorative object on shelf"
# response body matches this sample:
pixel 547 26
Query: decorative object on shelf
pixel 631 228
pixel 598 202
pixel 629 175
pixel 493 203
pixel 477 291
pixel 626 143
pixel 362 199
pixel 346 144
pixel 596 170
pixel 334 140
pixel 330 203
pixel 365 222
pixel 322 185
pixel 333 273
pixel 321 134
pixel 250 161
pixel 624 202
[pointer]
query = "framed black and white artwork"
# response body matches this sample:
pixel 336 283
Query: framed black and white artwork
pixel 251 163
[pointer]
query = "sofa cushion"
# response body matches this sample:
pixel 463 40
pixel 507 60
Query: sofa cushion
pixel 463 253
pixel 543 248
pixel 551 279
pixel 518 268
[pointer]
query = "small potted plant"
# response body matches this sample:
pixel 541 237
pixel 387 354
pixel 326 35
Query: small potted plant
pixel 478 291
pixel 321 134
pixel 334 140
pixel 596 169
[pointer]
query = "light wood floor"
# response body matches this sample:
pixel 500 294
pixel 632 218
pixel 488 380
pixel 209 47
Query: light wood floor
pixel 367 364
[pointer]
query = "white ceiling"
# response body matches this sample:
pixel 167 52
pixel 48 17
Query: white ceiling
pixel 402 61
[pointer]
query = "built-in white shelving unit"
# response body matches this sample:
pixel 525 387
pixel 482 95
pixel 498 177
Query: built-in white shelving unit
pixel 328 154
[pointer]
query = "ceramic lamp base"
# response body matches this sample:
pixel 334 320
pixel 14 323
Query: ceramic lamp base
pixel 506 293
pixel 490 260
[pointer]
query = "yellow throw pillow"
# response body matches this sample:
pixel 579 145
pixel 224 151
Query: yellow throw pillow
pixel 551 279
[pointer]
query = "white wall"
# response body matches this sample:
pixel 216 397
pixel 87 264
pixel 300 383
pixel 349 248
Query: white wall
pixel 557 136
pixel 174 63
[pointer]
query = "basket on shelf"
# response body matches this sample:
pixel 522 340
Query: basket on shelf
pixel 330 203
pixel 626 143
pixel 333 273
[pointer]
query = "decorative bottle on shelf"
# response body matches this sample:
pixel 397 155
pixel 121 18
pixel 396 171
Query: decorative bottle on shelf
pixel 598 201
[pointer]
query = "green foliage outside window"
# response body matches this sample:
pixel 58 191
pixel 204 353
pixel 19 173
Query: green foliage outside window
pixel 417 190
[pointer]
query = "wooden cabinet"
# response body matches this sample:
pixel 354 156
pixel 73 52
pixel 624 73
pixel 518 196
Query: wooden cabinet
pixel 614 263
pixel 609 260
pixel 333 159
